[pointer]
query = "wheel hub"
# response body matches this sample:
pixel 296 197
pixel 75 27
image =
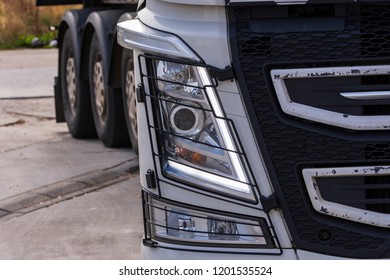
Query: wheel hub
pixel 71 83
pixel 131 101
pixel 100 95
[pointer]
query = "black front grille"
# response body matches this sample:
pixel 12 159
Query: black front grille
pixel 369 192
pixel 351 33
pixel 378 195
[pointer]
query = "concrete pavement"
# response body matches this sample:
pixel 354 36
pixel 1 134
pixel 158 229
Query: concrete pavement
pixel 97 225
pixel 60 198
pixel 33 74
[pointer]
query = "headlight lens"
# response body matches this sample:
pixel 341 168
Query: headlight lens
pixel 198 144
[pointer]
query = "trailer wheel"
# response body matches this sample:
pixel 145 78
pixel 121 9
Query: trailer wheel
pixel 107 108
pixel 76 104
pixel 129 97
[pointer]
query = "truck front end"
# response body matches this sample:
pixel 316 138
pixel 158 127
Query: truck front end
pixel 263 128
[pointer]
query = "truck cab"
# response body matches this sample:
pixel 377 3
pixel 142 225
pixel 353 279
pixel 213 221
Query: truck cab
pixel 263 127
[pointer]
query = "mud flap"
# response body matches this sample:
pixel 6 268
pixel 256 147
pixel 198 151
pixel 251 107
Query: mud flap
pixel 60 117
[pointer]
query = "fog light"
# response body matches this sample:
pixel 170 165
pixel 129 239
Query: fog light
pixel 180 224
pixel 222 229
pixel 184 224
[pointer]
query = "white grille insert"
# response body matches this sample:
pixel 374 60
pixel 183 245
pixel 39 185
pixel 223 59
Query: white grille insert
pixel 279 76
pixel 338 210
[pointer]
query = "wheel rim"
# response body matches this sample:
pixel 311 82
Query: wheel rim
pixel 131 100
pixel 71 83
pixel 99 90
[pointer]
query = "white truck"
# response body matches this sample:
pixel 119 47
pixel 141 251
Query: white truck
pixel 263 125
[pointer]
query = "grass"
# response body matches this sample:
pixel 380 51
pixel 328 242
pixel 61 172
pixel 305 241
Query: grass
pixel 21 21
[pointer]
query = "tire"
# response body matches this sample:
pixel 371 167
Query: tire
pixel 76 103
pixel 129 97
pixel 107 108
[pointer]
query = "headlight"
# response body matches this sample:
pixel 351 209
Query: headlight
pixel 198 145
pixel 179 223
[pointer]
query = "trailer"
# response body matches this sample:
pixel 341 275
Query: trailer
pixel 94 88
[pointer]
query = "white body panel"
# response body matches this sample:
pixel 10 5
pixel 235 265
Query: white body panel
pixel 196 33
pixel 208 39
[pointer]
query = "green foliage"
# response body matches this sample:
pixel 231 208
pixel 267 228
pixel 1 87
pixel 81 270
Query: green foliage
pixel 44 39
pixel 26 41
pixel 21 21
